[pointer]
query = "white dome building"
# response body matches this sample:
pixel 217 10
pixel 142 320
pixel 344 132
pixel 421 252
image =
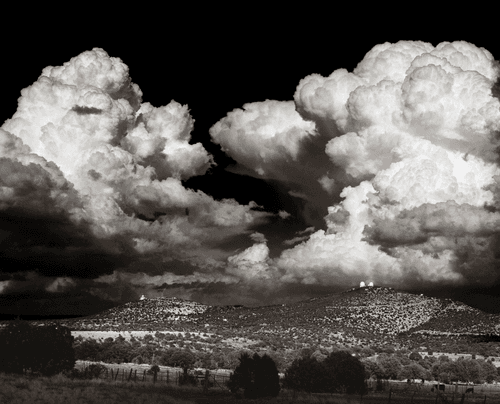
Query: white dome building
pixel 362 284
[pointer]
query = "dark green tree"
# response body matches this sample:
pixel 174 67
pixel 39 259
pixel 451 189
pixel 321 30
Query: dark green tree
pixel 346 372
pixel 306 374
pixel 45 350
pixel 338 372
pixel 256 376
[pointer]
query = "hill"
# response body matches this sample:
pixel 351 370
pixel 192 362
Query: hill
pixel 367 315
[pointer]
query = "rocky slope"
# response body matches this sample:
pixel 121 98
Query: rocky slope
pixel 366 315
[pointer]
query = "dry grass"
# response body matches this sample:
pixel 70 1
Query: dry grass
pixel 60 390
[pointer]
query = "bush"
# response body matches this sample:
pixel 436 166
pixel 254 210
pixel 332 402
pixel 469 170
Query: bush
pixel 44 350
pixel 93 371
pixel 256 376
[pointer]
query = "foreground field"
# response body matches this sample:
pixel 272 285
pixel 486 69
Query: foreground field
pixel 58 389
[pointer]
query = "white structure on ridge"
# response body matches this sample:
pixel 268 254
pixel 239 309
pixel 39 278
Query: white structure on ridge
pixel 363 284
pixel 142 297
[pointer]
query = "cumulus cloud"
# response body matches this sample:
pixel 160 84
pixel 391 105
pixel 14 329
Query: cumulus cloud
pixel 253 264
pixel 95 174
pixel 273 141
pixel 412 137
pixel 395 163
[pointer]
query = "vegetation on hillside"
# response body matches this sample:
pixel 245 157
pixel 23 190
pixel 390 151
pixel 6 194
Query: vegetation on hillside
pixel 365 317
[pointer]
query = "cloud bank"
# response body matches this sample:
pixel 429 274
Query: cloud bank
pixel 396 163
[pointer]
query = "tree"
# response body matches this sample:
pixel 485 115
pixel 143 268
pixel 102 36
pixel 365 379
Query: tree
pixel 257 376
pixel 468 370
pixel 488 371
pixel 45 350
pixel 415 356
pixel 346 372
pixel 412 371
pixel 183 359
pixel 338 372
pixel 390 366
pixel 306 374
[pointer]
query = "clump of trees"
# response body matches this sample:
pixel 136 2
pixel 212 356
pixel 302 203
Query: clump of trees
pixel 257 376
pixel 339 372
pixel 38 350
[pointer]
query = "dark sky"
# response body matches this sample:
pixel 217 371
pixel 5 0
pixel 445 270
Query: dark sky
pixel 286 184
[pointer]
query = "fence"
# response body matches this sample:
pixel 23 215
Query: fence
pixel 431 392
pixel 168 376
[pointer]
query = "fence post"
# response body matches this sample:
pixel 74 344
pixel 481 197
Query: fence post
pixel 130 375
pixel 484 399
pixel 123 374
pixel 205 382
pixel 463 398
pixel 390 394
pixel 167 376
pixel 135 375
pixel 144 375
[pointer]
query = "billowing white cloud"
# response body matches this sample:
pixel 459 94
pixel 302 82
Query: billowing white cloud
pixel 273 141
pixel 83 145
pixel 252 264
pixel 413 135
pixel 398 160
pixel 263 135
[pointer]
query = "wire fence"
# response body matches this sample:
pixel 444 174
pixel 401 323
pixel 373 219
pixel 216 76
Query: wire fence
pixel 172 376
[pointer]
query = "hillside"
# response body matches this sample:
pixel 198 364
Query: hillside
pixel 367 315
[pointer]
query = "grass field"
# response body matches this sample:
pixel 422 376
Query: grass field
pixel 59 389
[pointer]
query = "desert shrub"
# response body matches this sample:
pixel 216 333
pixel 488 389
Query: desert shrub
pixel 256 376
pixel 93 371
pixel 45 350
